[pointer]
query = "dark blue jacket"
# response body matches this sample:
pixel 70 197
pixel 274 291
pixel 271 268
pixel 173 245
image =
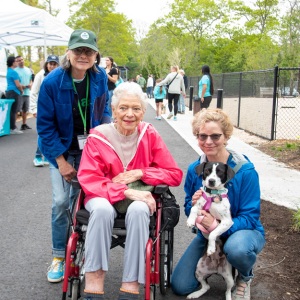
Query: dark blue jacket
pixel 243 193
pixel 54 114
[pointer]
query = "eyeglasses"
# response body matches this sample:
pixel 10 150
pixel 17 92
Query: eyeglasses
pixel 214 137
pixel 86 51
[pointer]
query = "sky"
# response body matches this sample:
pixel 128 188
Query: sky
pixel 142 12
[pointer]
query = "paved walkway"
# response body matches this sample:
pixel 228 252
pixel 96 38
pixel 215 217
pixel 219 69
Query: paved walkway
pixel 279 184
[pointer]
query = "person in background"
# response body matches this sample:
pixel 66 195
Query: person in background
pixel 51 63
pixel 120 79
pixel 73 98
pixel 26 81
pixel 176 87
pixel 206 87
pixel 142 82
pixel 114 156
pixel 245 239
pixel 181 108
pixel 150 84
pixel 14 89
pixel 112 77
pixel 159 95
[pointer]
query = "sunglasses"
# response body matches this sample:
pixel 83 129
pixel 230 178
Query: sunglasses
pixel 86 51
pixel 214 137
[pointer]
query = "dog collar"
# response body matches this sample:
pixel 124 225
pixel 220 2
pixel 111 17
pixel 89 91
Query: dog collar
pixel 214 191
pixel 209 200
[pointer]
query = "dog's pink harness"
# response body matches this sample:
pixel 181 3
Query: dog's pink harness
pixel 206 207
pixel 209 200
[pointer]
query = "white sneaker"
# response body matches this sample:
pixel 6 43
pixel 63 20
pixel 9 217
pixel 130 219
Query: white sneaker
pixel 16 131
pixel 170 116
pixel 38 161
pixel 241 290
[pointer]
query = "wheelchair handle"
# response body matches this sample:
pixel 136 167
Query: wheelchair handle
pixel 75 183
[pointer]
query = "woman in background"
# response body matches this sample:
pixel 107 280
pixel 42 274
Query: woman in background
pixel 112 77
pixel 176 87
pixel 159 95
pixel 51 63
pixel 206 87
pixel 14 89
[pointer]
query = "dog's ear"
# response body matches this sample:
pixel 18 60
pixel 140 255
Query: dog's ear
pixel 230 173
pixel 200 168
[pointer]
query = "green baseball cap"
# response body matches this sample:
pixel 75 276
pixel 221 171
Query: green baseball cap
pixel 83 38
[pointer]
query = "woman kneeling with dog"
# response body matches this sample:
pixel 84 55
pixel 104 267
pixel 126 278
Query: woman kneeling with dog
pixel 245 238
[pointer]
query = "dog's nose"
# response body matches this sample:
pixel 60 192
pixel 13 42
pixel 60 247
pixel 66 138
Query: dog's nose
pixel 211 182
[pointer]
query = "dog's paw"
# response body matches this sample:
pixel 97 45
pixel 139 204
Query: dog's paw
pixel 210 250
pixel 190 223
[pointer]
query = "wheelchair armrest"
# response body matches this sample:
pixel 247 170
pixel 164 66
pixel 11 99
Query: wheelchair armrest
pixel 75 183
pixel 160 189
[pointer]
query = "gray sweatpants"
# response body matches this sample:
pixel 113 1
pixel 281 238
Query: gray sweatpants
pixel 99 233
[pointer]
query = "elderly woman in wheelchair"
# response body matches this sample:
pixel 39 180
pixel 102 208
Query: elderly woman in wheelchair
pixel 114 156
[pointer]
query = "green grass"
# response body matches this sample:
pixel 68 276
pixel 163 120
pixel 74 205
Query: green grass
pixel 296 220
pixel 287 147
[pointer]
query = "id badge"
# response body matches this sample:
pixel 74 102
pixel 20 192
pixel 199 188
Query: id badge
pixel 81 141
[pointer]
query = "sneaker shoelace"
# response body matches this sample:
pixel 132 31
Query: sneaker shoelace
pixel 56 265
pixel 241 288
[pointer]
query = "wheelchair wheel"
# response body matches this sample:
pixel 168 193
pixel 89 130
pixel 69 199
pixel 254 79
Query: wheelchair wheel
pixel 78 281
pixel 166 260
pixel 152 292
pixel 75 289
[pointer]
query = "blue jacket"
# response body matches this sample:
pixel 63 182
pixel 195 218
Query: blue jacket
pixel 54 114
pixel 243 193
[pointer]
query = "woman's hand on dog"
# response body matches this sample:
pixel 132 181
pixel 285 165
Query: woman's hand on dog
pixel 208 219
pixel 196 197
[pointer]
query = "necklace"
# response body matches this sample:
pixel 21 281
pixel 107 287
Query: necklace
pixel 126 147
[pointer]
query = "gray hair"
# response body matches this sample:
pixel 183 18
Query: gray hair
pixel 132 89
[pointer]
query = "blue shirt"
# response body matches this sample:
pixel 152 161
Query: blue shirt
pixel 204 80
pixel 11 76
pixel 25 76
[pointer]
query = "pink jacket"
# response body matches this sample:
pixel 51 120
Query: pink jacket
pixel 100 163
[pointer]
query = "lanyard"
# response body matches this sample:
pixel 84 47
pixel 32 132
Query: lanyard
pixel 83 117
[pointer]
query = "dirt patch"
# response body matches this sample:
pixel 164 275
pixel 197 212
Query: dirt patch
pixel 286 151
pixel 277 272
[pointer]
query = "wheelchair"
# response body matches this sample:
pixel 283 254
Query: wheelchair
pixel 158 252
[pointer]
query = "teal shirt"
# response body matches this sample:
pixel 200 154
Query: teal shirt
pixel 26 76
pixel 11 76
pixel 204 80
pixel 159 95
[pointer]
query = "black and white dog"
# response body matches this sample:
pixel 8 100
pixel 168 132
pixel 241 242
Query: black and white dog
pixel 214 200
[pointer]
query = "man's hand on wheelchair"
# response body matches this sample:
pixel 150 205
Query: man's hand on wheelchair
pixel 128 176
pixel 65 169
pixel 144 196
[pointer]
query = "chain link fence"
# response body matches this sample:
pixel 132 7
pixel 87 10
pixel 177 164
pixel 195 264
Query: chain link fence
pixel 265 102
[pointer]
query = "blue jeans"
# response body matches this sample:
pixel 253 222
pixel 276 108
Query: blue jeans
pixel 181 107
pixel 241 249
pixel 149 91
pixel 63 195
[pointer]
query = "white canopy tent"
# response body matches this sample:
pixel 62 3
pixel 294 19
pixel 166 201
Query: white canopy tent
pixel 24 25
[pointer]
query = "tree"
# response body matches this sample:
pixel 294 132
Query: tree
pixel 114 32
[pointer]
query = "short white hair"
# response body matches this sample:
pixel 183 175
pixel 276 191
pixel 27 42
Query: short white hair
pixel 129 88
pixel 181 71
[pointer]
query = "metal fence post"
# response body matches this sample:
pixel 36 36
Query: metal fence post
pixel 220 98
pixel 191 98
